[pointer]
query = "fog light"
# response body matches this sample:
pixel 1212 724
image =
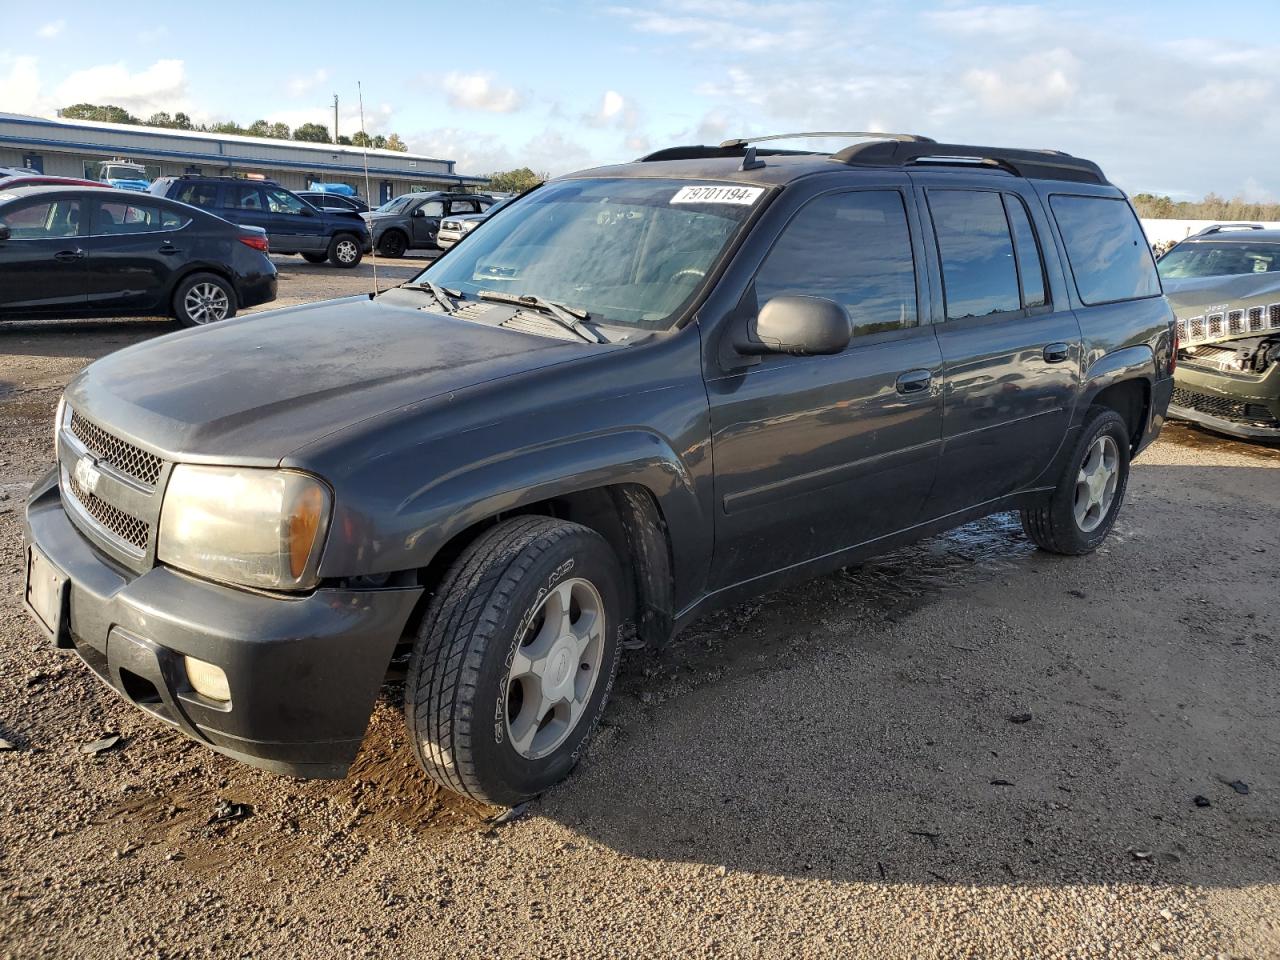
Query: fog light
pixel 207 679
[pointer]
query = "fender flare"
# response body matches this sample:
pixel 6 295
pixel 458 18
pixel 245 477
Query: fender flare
pixel 1137 362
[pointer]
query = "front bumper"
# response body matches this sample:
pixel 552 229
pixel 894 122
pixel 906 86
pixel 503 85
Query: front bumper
pixel 303 671
pixel 1237 405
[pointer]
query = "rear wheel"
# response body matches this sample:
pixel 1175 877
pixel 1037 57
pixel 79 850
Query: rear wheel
pixel 393 243
pixel 344 251
pixel 1082 509
pixel 203 298
pixel 315 257
pixel 515 659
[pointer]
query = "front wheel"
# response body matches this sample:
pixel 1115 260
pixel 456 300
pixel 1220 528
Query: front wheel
pixel 203 298
pixel 344 251
pixel 393 244
pixel 1082 509
pixel 515 659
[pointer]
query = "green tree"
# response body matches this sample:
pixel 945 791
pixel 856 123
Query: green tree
pixel 105 113
pixel 181 121
pixel 160 119
pixel 313 133
pixel 344 140
pixel 515 181
pixel 395 143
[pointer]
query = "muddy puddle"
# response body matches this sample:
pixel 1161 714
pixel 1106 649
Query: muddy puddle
pixel 1196 438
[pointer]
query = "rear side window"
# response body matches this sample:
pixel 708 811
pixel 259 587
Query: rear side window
pixel 244 198
pixel 1027 249
pixel 198 195
pixel 979 275
pixel 853 248
pixel 1106 247
pixel 117 218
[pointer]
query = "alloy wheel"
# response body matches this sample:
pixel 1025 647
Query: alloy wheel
pixel 1096 483
pixel 206 303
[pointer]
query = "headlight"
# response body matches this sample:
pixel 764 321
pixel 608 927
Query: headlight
pixel 259 528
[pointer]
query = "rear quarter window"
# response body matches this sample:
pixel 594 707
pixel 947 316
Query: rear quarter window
pixel 1107 250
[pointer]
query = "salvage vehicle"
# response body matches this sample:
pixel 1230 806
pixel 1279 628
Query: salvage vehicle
pixel 412 221
pixel 640 393
pixel 458 226
pixel 124 175
pixel 1224 286
pixel 293 225
pixel 72 251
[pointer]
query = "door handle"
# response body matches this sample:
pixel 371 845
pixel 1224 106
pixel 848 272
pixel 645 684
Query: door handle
pixel 914 381
pixel 1056 353
pixel 168 248
pixel 67 256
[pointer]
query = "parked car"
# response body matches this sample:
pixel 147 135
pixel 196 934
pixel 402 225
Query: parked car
pixel 333 201
pixel 293 225
pixel 456 227
pixel 19 178
pixel 640 393
pixel 72 251
pixel 124 175
pixel 410 222
pixel 1224 285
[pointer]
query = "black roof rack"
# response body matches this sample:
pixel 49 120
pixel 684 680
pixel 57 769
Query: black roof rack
pixel 904 137
pixel 702 151
pixel 1038 164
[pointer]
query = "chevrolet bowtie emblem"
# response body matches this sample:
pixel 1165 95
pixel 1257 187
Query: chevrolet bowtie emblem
pixel 87 474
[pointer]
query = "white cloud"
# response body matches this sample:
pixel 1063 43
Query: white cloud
pixel 733 25
pixel 549 152
pixel 1041 82
pixel 479 91
pixel 51 29
pixel 302 84
pixel 614 110
pixel 161 86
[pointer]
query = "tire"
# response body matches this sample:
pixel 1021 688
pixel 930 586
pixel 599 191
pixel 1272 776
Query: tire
pixel 472 679
pixel 344 251
pixel 1060 524
pixel 393 243
pixel 203 298
pixel 315 257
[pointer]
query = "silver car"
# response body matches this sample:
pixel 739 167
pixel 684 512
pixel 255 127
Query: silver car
pixel 454 228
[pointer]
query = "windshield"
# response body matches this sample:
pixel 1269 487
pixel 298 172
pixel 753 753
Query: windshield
pixel 630 252
pixel 394 206
pixel 1207 258
pixel 123 173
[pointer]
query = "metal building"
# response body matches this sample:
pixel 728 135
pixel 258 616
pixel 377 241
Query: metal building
pixel 75 148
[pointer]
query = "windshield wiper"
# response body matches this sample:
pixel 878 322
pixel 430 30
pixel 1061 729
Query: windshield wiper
pixel 568 317
pixel 443 295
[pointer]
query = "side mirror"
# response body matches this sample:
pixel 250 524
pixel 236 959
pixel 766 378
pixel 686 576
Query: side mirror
pixel 308 212
pixel 801 326
pixel 419 212
pixel 4 231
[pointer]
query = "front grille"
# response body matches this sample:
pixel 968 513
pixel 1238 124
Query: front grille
pixel 1257 318
pixel 1224 408
pixel 131 530
pixel 1235 321
pixel 1197 328
pixel 110 449
pixel 1215 321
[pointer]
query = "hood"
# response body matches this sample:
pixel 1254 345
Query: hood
pixel 1211 309
pixel 254 389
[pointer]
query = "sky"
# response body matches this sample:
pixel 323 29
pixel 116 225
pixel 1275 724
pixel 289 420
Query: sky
pixel 1178 97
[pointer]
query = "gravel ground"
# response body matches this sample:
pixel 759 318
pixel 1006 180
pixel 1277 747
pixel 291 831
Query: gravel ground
pixel 964 749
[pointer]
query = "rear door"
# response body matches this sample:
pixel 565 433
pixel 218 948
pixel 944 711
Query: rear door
pixel 244 203
pixel 43 263
pixel 816 454
pixel 133 251
pixel 424 222
pixel 1010 341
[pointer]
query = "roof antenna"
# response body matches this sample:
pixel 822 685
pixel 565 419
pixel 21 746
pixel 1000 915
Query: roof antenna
pixel 373 258
pixel 750 161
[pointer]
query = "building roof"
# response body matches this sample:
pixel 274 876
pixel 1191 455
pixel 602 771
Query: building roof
pixel 229 149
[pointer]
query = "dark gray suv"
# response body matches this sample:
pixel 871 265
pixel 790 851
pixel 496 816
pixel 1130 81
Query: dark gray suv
pixel 411 221
pixel 639 393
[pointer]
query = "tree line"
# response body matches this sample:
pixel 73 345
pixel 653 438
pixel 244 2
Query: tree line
pixel 1212 207
pixel 307 132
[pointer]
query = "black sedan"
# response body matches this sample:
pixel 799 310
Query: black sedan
pixel 69 251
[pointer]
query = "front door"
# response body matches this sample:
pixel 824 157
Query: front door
pixel 816 454
pixel 43 263
pixel 244 204
pixel 424 222
pixel 1010 344
pixel 301 227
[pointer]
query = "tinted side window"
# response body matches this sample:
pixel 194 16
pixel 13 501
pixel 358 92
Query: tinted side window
pixel 244 198
pixel 43 220
pixel 1027 248
pixel 198 194
pixel 978 272
pixel 853 248
pixel 116 218
pixel 1108 251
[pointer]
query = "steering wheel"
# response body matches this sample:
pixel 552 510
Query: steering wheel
pixel 692 271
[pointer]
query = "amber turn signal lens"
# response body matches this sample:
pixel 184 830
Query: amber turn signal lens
pixel 304 525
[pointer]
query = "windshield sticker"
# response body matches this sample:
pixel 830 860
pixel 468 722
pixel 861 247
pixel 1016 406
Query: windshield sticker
pixel 742 196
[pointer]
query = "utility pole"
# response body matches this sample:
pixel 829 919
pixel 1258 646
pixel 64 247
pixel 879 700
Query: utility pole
pixel 335 118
